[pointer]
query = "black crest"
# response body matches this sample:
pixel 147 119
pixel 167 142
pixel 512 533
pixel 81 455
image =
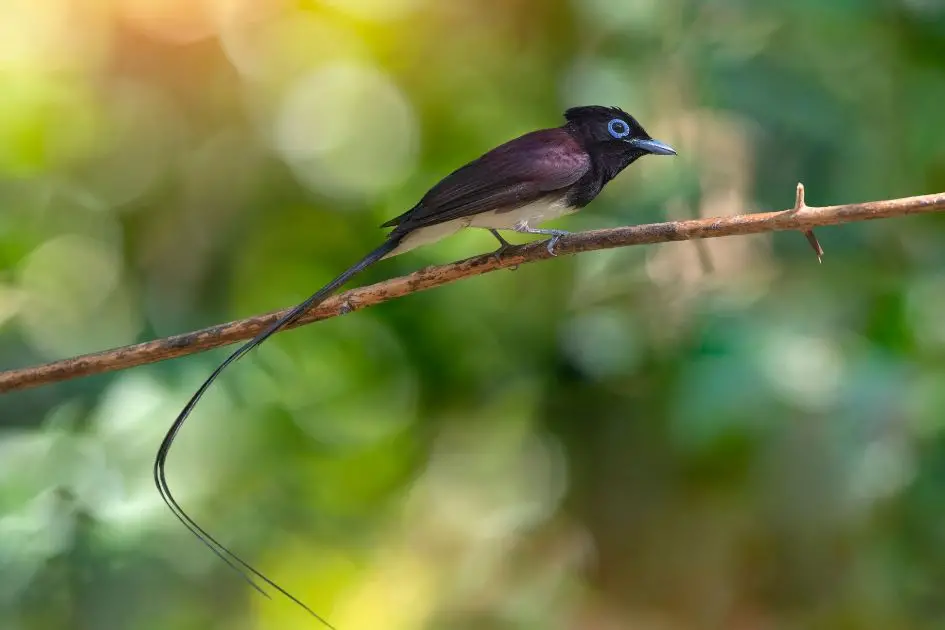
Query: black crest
pixel 592 121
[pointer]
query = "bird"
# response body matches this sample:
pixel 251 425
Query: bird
pixel 534 178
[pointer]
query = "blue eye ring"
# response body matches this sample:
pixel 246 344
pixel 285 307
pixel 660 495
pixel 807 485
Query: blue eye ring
pixel 618 128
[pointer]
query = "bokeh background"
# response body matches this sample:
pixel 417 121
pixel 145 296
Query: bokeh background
pixel 697 435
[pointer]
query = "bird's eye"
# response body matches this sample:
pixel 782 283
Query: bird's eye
pixel 618 128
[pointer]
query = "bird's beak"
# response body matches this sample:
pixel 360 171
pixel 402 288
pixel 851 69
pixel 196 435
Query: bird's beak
pixel 653 146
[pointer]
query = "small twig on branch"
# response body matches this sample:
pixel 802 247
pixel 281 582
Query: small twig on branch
pixel 799 206
pixel 802 218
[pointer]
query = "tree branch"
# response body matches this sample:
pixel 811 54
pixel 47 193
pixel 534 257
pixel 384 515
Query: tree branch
pixel 802 218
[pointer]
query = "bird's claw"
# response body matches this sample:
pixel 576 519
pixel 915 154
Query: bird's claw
pixel 346 307
pixel 553 241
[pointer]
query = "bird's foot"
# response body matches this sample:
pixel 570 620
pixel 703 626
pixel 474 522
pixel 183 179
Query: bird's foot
pixel 552 242
pixel 346 307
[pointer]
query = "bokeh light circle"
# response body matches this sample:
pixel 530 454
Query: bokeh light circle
pixel 174 21
pixel 375 10
pixel 347 130
pixel 74 300
pixel 273 48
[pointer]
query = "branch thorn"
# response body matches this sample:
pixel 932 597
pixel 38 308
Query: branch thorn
pixel 812 239
pixel 800 204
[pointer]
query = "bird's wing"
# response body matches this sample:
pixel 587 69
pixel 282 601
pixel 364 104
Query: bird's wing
pixel 512 175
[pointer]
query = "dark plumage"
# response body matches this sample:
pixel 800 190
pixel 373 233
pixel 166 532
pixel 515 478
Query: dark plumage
pixel 534 178
pixel 581 153
pixel 509 176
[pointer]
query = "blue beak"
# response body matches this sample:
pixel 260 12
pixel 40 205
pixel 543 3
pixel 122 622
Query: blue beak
pixel 653 146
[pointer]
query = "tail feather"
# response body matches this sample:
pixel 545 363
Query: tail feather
pixel 160 479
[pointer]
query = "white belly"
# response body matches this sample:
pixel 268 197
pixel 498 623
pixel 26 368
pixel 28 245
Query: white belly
pixel 532 215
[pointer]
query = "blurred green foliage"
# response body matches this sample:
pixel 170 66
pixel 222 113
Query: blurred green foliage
pixel 697 435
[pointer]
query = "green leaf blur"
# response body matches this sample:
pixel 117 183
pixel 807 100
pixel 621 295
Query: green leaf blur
pixel 718 434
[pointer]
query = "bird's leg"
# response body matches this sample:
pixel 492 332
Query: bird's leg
pixel 503 244
pixel 555 234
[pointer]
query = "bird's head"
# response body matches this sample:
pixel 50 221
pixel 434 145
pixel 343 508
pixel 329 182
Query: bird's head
pixel 612 136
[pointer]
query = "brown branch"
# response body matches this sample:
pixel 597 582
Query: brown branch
pixel 802 218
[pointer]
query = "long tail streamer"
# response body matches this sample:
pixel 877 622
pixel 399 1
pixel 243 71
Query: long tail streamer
pixel 244 569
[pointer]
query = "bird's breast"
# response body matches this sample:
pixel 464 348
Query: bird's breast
pixel 531 214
